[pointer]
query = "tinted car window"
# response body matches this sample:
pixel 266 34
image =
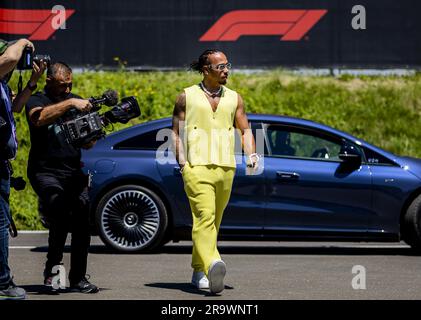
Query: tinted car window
pixel 258 134
pixel 301 143
pixel 375 158
pixel 147 140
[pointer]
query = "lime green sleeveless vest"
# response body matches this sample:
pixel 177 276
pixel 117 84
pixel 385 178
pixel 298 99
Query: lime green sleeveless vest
pixel 209 136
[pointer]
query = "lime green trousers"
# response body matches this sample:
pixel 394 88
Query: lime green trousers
pixel 208 188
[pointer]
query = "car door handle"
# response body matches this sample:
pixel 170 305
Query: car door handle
pixel 177 171
pixel 282 175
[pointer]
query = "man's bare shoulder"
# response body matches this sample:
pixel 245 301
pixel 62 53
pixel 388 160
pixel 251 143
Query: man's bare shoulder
pixel 181 97
pixel 180 103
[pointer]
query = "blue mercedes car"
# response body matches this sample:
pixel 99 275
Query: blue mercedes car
pixel 314 183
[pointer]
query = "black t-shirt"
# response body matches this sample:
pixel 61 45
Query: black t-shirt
pixel 50 151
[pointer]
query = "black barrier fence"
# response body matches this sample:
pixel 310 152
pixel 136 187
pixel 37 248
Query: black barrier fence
pixel 254 33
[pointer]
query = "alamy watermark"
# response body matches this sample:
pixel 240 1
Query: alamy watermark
pixel 224 139
pixel 359 21
pixel 59 279
pixel 359 280
pixel 59 20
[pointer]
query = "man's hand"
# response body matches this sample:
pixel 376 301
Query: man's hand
pixel 13 94
pixel 253 161
pixel 81 104
pixel 20 100
pixel 25 43
pixel 37 71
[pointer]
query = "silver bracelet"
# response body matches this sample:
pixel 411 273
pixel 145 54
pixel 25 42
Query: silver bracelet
pixel 253 155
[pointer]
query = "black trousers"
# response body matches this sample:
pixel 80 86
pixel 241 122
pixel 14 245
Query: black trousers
pixel 65 202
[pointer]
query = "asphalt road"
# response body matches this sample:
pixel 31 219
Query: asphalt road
pixel 255 271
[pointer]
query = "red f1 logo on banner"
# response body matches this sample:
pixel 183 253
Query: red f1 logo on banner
pixel 291 24
pixel 36 23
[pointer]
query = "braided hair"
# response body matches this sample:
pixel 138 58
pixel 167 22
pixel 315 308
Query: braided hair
pixel 198 65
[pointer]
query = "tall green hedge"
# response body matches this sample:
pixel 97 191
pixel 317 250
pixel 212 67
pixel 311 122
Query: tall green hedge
pixel 384 110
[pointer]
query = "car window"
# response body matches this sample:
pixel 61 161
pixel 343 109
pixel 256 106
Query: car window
pixel 376 158
pixel 258 134
pixel 144 141
pixel 301 143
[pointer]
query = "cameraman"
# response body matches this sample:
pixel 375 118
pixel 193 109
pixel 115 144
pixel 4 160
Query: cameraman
pixel 54 170
pixel 10 54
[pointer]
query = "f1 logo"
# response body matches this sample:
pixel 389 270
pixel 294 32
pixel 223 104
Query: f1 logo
pixel 39 24
pixel 292 25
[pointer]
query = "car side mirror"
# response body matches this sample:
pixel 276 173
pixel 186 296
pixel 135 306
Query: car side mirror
pixel 350 154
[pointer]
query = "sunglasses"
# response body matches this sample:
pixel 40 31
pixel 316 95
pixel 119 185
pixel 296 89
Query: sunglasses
pixel 222 66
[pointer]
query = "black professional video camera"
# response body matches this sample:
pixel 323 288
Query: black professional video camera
pixel 80 129
pixel 28 57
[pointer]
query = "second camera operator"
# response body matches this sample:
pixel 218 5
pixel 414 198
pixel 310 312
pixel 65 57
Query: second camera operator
pixel 54 170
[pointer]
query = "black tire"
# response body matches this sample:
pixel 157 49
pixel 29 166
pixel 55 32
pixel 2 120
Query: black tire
pixel 131 218
pixel 411 229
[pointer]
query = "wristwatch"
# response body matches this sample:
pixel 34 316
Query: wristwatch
pixel 32 88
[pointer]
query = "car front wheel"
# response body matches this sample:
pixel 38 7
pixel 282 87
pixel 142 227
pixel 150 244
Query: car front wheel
pixel 131 218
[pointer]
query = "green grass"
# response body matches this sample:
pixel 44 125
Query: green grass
pixel 385 111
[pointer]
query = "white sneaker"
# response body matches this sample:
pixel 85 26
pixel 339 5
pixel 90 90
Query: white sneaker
pixel 199 280
pixel 216 274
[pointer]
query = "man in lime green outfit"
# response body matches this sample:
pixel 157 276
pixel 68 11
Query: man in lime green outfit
pixel 208 113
